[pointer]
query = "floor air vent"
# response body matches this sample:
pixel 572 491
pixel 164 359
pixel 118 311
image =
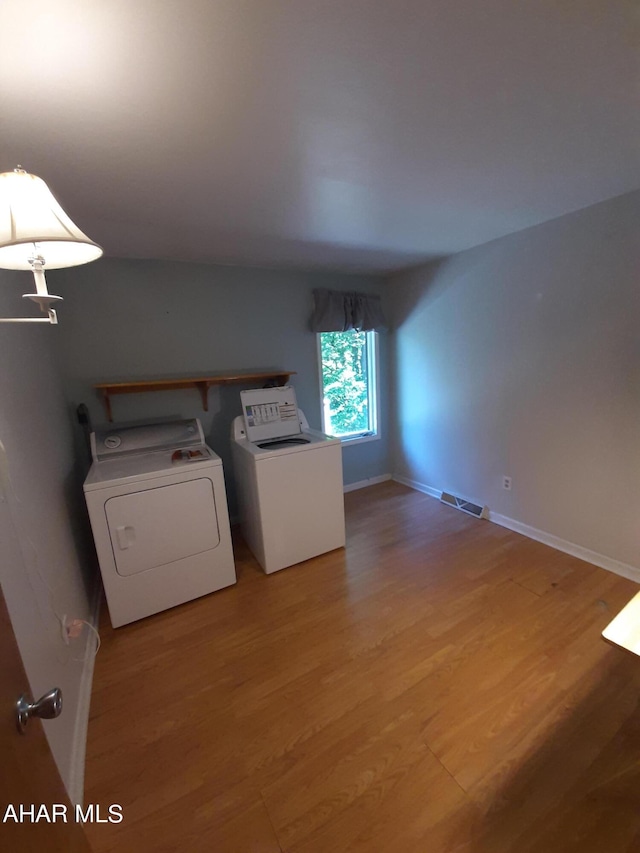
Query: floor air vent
pixel 464 505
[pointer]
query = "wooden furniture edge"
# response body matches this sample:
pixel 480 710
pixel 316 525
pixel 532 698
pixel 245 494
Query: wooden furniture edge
pixel 201 383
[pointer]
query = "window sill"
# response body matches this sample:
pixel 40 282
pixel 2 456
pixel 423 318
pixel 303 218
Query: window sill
pixel 349 441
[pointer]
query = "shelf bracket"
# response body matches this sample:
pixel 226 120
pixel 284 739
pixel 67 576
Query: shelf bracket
pixel 106 399
pixel 203 388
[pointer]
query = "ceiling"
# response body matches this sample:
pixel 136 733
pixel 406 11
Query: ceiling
pixel 363 135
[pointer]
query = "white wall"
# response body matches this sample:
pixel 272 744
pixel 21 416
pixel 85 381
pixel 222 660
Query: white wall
pixel 43 545
pixel 522 358
pixel 143 319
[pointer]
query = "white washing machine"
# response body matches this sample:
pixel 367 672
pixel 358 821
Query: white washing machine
pixel 158 511
pixel 290 490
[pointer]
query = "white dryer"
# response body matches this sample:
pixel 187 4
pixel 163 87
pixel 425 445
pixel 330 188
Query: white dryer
pixel 290 490
pixel 158 511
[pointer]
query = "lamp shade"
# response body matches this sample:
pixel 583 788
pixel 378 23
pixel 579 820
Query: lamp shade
pixel 30 214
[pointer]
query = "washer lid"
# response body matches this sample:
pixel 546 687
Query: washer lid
pixel 270 413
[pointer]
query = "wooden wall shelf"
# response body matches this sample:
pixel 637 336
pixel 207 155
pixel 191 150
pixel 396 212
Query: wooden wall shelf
pixel 202 383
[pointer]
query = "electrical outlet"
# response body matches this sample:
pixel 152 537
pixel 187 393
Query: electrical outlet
pixel 506 483
pixel 70 629
pixel 74 628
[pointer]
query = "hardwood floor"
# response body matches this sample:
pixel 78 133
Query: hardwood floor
pixel 440 685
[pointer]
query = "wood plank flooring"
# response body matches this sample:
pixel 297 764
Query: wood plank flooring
pixel 439 686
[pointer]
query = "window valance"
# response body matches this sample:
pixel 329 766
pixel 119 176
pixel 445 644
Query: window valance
pixel 340 311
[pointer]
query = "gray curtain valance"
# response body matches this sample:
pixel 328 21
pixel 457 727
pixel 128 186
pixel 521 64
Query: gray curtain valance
pixel 340 311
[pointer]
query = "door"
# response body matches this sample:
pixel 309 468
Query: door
pixel 29 774
pixel 162 525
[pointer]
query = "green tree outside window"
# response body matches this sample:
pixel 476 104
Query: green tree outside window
pixel 345 380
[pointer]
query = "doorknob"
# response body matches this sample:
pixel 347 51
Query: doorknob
pixel 47 707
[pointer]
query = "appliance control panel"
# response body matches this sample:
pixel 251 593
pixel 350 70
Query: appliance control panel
pixel 146 438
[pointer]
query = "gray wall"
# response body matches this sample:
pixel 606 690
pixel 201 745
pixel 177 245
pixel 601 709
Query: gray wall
pixel 41 529
pixel 522 358
pixel 143 319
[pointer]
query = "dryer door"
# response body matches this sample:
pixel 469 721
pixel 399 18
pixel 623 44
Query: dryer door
pixel 159 526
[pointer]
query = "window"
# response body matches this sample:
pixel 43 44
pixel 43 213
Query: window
pixel 349 384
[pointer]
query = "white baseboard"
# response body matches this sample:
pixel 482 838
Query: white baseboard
pixel 623 569
pixel 79 746
pixel 419 487
pixel 362 484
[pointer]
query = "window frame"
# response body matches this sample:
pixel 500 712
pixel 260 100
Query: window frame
pixel 373 388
